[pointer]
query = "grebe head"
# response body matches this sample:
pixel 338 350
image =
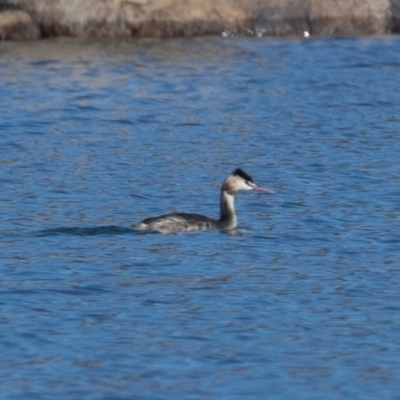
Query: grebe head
pixel 238 180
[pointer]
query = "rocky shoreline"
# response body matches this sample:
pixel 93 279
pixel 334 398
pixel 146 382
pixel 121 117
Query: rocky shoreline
pixel 36 19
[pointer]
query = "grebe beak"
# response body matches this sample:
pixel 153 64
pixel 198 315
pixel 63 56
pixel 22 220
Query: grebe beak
pixel 261 189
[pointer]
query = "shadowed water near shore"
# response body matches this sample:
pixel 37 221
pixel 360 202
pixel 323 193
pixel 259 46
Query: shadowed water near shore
pixel 26 19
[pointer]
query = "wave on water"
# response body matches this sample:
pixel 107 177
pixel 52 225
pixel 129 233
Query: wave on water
pixel 86 231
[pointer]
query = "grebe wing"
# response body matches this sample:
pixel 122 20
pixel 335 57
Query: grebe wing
pixel 176 222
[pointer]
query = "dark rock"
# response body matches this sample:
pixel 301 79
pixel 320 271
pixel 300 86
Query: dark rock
pixel 395 11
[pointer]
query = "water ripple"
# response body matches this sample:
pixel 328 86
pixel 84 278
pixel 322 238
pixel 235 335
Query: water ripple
pixel 302 301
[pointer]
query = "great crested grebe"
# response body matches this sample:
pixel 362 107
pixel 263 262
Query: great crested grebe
pixel 183 222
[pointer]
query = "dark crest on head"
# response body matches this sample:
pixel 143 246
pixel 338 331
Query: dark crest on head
pixel 242 174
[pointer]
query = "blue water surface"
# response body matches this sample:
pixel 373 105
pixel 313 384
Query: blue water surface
pixel 301 302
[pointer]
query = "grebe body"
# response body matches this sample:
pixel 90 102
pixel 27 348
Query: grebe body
pixel 184 222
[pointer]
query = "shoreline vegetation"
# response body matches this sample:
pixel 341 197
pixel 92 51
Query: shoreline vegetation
pixel 38 19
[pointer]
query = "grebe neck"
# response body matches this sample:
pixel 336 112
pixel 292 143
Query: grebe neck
pixel 227 218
